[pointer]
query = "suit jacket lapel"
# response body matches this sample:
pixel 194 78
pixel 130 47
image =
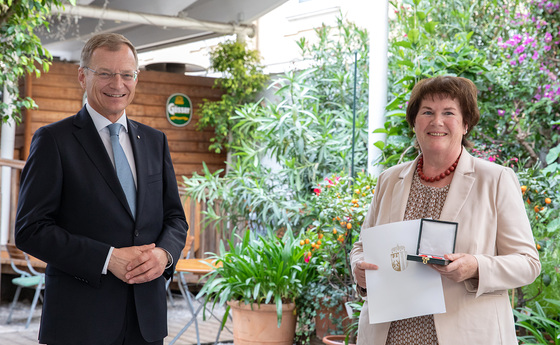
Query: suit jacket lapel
pixel 137 141
pixel 87 136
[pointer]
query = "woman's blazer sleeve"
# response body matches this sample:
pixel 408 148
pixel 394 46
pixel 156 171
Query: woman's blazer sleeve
pixel 516 262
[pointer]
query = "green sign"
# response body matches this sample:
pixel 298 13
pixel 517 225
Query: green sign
pixel 179 110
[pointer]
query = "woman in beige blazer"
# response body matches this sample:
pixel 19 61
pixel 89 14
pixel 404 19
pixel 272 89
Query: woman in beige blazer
pixel 495 249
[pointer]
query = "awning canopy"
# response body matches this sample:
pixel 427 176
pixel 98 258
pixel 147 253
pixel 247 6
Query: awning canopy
pixel 150 24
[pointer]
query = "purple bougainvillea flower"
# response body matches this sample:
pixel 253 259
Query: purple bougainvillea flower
pixel 501 112
pixel 528 40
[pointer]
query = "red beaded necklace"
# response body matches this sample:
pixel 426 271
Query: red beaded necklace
pixel 441 176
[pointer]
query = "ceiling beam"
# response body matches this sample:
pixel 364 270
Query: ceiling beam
pixel 155 20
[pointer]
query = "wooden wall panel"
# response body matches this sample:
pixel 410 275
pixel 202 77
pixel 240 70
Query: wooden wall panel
pixel 58 95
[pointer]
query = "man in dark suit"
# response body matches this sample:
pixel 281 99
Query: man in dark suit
pixel 109 241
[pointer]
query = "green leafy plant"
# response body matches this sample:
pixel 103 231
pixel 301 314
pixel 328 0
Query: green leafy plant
pixel 21 52
pixel 258 269
pixel 542 329
pixel 417 51
pixel 287 143
pixel 339 206
pixel 541 189
pixel 352 329
pixel 242 80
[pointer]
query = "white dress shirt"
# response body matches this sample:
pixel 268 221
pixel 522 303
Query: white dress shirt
pixel 101 123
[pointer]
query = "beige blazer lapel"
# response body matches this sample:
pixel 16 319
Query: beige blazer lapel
pixel 401 192
pixel 460 188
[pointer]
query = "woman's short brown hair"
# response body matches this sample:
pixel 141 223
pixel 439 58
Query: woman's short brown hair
pixel 110 41
pixel 460 89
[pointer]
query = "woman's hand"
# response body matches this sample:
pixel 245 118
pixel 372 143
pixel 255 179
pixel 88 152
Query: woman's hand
pixel 462 267
pixel 360 272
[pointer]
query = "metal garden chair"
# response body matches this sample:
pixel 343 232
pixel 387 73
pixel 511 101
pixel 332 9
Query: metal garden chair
pixel 27 279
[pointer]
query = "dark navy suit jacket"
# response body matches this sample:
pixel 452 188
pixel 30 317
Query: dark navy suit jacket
pixel 72 209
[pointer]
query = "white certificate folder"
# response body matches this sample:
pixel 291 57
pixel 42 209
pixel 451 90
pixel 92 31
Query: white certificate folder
pixel 400 288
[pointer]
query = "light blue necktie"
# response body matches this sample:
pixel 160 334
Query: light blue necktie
pixel 123 168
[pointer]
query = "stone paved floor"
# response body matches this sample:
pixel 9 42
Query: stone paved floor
pixel 15 333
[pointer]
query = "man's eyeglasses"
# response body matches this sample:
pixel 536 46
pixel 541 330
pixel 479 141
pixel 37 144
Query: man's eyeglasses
pixel 126 76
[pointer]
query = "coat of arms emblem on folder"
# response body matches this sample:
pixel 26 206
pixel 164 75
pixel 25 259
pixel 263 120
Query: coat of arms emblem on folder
pixel 398 258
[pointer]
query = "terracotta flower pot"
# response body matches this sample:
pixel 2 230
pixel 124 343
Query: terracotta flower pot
pixel 259 325
pixel 335 340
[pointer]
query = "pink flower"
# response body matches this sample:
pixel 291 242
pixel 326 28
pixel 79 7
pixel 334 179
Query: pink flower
pixel 513 62
pixel 307 258
pixel 535 55
pixel 501 112
pixel 546 48
pixel 528 39
pixel 317 191
pixel 547 37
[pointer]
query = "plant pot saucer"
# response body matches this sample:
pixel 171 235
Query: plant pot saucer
pixel 335 340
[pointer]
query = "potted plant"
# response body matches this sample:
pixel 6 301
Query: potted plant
pixel 259 278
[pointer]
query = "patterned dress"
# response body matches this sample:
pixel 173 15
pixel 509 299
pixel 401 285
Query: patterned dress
pixel 423 202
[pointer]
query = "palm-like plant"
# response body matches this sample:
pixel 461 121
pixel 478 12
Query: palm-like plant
pixel 542 329
pixel 258 269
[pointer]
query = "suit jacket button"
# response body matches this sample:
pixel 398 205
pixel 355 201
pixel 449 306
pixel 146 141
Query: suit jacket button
pixel 136 233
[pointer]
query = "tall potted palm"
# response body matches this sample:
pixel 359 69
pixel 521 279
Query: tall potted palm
pixel 259 279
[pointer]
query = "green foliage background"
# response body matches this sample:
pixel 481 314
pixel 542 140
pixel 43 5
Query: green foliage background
pixel 508 48
pixel 21 52
pixel 303 131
